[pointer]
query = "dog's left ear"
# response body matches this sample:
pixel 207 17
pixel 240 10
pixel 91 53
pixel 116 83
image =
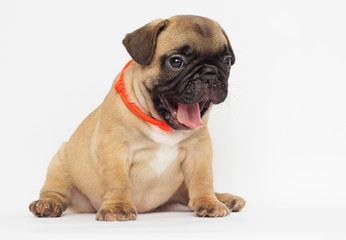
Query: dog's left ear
pixel 141 43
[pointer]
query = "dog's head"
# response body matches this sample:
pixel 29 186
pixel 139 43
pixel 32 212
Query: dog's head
pixel 187 61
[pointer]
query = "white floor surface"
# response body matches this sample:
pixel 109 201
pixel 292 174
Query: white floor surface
pixel 179 223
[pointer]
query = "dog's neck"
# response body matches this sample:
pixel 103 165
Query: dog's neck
pixel 131 102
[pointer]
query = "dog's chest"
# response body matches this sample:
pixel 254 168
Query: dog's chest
pixel 164 156
pixel 167 150
pixel 156 154
pixel 155 172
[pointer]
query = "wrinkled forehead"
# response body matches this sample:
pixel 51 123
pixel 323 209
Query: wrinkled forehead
pixel 201 35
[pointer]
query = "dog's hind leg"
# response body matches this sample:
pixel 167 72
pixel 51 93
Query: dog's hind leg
pixel 56 192
pixel 233 203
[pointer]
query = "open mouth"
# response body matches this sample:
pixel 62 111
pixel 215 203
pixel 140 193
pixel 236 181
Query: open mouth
pixel 184 116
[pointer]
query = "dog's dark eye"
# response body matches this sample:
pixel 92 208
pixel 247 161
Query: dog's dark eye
pixel 228 62
pixel 176 62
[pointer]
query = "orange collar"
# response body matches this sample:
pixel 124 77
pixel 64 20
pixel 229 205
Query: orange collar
pixel 120 87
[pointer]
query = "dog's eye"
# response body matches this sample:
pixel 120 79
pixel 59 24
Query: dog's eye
pixel 228 62
pixel 176 62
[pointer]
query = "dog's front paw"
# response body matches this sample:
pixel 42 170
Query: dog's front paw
pixel 46 208
pixel 208 207
pixel 234 203
pixel 117 212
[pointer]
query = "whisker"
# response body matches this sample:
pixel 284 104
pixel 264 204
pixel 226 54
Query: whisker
pixel 232 101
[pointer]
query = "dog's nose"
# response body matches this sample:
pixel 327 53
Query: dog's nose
pixel 209 75
pixel 210 80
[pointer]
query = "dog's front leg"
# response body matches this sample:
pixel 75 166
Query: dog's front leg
pixel 113 167
pixel 197 169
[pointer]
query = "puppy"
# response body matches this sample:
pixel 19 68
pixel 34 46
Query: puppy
pixel 148 144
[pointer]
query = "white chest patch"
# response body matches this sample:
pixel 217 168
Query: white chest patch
pixel 165 155
pixel 167 151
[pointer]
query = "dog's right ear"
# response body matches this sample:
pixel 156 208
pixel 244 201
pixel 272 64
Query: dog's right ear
pixel 141 43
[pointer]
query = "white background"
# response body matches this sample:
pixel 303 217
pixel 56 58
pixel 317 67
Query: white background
pixel 279 139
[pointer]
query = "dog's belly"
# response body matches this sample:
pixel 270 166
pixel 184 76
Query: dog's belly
pixel 155 176
pixel 155 172
pixel 154 179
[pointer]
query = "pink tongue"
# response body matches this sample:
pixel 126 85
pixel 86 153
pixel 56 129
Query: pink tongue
pixel 189 115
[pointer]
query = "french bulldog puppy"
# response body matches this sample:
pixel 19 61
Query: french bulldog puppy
pixel 148 143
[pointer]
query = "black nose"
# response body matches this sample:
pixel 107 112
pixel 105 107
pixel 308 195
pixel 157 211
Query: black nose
pixel 209 75
pixel 210 80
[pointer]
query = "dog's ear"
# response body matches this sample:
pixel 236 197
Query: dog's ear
pixel 141 43
pixel 229 46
